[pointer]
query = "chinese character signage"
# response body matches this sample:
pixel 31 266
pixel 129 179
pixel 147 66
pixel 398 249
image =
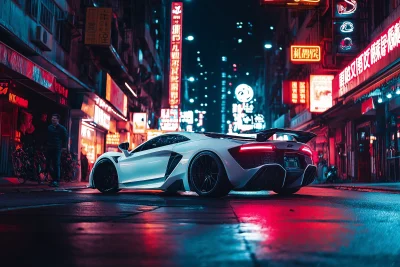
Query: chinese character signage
pixel 18 63
pixel 175 54
pixel 292 3
pixel 295 92
pixel 305 53
pixel 101 117
pixel 115 95
pixel 169 120
pixel 320 92
pixel 98 26
pixel 379 54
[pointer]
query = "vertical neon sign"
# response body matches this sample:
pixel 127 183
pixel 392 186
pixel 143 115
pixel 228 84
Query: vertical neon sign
pixel 175 54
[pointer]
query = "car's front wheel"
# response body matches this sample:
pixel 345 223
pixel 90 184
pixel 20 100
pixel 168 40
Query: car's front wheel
pixel 105 177
pixel 286 191
pixel 207 176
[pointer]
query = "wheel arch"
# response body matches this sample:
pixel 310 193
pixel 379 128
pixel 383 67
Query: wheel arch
pixel 101 159
pixel 194 156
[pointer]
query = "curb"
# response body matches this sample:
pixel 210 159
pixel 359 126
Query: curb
pixel 360 188
pixel 41 189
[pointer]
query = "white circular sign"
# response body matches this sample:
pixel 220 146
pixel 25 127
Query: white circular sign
pixel 244 93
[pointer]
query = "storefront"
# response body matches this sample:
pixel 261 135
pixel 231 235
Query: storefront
pixel 366 92
pixel 29 95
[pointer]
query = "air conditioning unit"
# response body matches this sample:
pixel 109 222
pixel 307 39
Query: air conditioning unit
pixel 42 38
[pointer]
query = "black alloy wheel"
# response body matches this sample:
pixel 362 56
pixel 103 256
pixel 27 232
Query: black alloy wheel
pixel 287 191
pixel 105 177
pixel 207 176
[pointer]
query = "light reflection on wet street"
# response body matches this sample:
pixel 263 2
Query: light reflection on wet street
pixel 317 226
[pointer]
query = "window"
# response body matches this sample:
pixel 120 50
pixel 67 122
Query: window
pixel 160 141
pixel 33 9
pixel 62 31
pixel 47 14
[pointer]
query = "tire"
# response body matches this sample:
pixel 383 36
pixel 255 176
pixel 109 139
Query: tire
pixel 105 177
pixel 207 176
pixel 287 191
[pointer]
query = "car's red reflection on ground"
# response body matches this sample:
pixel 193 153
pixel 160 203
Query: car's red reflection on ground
pixel 293 227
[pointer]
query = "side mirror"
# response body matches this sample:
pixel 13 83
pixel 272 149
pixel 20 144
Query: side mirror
pixel 124 148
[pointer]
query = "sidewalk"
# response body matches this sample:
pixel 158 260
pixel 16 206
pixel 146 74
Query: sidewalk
pixel 11 185
pixel 393 187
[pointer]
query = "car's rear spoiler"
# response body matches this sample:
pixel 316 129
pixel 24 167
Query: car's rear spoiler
pixel 299 136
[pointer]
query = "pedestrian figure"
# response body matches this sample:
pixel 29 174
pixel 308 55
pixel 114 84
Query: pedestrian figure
pixel 56 142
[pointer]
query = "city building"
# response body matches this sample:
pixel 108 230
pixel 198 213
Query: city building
pixel 350 87
pixel 99 64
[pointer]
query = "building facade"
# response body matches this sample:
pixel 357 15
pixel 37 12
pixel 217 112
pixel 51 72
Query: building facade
pixel 356 118
pixel 99 64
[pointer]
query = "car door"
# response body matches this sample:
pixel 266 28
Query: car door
pixel 146 167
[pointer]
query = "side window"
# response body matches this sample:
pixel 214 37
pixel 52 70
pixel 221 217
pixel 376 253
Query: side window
pixel 180 138
pixel 152 143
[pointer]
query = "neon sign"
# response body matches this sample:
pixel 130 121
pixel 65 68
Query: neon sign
pixel 346 27
pixel 347 7
pixel 305 53
pixel 244 93
pixel 346 43
pixel 17 100
pixel 291 3
pixel 175 54
pixel 371 60
pixel 294 92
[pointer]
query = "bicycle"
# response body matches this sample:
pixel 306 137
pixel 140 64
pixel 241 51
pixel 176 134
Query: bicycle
pixel 29 165
pixel 69 166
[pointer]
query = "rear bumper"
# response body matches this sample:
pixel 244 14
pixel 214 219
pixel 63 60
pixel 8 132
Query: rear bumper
pixel 274 177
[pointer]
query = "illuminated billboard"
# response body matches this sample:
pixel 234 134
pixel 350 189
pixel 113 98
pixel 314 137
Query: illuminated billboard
pixel 175 54
pixel 139 122
pixel 169 119
pixel 305 53
pixel 320 92
pixel 292 3
pixel 379 54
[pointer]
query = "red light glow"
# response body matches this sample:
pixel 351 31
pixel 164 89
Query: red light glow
pixel 306 150
pixel 175 53
pixel 257 148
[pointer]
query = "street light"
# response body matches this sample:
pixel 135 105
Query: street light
pixel 268 46
pixel 190 38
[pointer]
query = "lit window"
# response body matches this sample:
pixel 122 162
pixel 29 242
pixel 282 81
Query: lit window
pixel 206 104
pixel 224 59
pixel 198 58
pixel 240 41
pixel 229 92
pixel 198 52
pixel 206 96
pixel 201 73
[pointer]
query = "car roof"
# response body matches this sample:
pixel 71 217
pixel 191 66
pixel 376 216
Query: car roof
pixel 190 135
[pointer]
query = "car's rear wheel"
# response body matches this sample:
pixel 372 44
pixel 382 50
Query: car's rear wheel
pixel 287 191
pixel 207 176
pixel 105 177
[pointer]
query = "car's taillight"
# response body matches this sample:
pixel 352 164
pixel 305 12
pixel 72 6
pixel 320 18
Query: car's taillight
pixel 306 150
pixel 257 147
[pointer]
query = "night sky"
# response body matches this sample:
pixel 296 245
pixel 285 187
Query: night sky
pixel 213 23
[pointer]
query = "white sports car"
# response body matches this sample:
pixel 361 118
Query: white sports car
pixel 209 164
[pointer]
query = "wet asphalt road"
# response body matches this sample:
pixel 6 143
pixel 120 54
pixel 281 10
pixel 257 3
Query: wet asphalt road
pixel 317 226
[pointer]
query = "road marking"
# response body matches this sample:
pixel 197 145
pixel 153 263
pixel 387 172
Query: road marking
pixel 30 207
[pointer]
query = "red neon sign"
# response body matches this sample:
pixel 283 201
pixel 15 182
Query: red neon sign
pixel 305 53
pixel 376 56
pixel 175 54
pixel 295 92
